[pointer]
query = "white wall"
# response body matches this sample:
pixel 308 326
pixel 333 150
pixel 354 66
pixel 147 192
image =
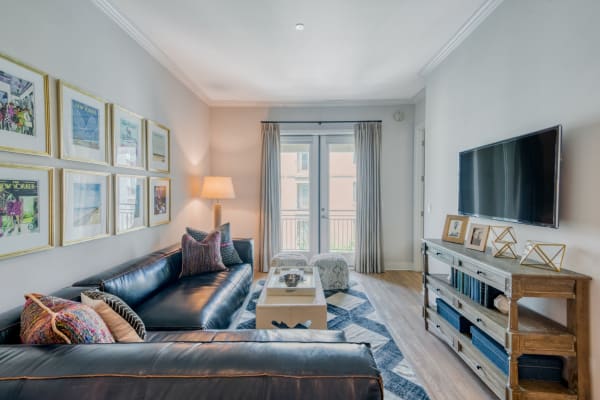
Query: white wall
pixel 236 149
pixel 530 65
pixel 75 41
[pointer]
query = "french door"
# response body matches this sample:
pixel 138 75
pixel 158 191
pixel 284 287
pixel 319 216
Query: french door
pixel 318 194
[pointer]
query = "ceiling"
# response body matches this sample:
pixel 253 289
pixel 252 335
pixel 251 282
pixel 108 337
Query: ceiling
pixel 242 52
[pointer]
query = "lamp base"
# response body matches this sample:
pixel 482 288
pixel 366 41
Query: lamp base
pixel 217 215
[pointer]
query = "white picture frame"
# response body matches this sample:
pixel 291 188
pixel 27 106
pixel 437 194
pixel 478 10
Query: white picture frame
pixel 131 203
pixel 85 206
pixel 26 209
pixel 83 128
pixel 158 144
pixel 159 200
pixel 129 139
pixel 25 120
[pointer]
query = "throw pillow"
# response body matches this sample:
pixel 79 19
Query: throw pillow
pixel 123 322
pixel 52 320
pixel 200 257
pixel 228 252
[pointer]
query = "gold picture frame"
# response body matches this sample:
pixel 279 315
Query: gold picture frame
pixel 477 237
pixel 159 213
pixel 119 217
pixel 122 154
pixel 154 164
pixel 27 216
pixel 84 152
pixel 81 222
pixel 14 136
pixel 455 229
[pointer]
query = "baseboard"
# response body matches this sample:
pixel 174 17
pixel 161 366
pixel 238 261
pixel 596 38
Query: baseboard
pixel 400 266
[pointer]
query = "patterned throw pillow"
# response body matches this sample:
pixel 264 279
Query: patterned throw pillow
pixel 228 252
pixel 52 320
pixel 123 322
pixel 200 257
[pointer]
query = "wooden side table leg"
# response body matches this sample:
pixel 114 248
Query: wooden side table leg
pixel 578 372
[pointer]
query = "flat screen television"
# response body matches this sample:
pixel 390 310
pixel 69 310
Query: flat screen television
pixel 513 180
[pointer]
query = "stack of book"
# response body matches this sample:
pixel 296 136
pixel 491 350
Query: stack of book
pixel 476 290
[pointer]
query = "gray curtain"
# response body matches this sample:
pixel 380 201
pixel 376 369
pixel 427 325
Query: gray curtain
pixel 367 140
pixel 269 196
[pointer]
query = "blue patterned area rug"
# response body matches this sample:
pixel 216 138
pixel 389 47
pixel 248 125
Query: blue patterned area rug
pixel 351 311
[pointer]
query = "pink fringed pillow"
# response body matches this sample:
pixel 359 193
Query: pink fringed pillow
pixel 200 257
pixel 52 320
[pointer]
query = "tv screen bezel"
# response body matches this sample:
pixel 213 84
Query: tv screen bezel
pixel 557 161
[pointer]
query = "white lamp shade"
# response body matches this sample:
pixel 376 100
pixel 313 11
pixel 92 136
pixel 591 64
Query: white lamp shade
pixel 217 187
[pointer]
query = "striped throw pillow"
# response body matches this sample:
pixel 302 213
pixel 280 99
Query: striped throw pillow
pixel 123 322
pixel 201 257
pixel 229 254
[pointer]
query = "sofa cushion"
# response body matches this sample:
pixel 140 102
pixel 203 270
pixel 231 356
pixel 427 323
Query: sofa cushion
pixel 199 257
pixel 123 322
pixel 206 301
pixel 228 252
pixel 250 335
pixel 138 279
pixel 10 321
pixel 52 320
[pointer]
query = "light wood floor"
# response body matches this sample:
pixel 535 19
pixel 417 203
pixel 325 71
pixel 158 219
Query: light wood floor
pixel 396 295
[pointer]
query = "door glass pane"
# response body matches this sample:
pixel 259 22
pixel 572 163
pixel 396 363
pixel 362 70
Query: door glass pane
pixel 295 196
pixel 342 197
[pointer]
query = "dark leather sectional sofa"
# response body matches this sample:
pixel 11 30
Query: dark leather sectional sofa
pixel 188 353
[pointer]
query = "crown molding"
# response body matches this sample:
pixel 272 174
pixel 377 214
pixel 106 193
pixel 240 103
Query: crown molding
pixel 474 21
pixel 331 103
pixel 128 27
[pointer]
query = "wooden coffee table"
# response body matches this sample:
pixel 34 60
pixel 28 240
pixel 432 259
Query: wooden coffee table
pixel 292 309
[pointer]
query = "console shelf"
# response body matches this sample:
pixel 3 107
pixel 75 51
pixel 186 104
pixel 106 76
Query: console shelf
pixel 522 331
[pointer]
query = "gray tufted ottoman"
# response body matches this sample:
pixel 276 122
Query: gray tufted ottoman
pixel 333 270
pixel 289 260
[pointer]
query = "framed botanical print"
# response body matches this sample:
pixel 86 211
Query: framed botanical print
pixel 477 237
pixel 82 125
pixel 158 147
pixel 129 147
pixel 159 194
pixel 131 210
pixel 455 229
pixel 85 205
pixel 26 210
pixel 24 109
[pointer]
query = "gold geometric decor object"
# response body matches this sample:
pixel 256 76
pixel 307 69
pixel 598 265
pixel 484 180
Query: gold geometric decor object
pixel 543 255
pixel 503 241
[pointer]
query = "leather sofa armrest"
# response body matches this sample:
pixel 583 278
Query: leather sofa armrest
pixel 331 371
pixel 245 248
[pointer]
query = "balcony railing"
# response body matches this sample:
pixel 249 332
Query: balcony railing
pixel 295 230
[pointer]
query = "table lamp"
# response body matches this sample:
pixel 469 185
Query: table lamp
pixel 217 188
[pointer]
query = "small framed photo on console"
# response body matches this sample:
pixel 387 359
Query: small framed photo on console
pixel 455 229
pixel 477 237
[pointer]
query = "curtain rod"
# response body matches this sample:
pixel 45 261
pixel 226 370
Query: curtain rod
pixel 317 122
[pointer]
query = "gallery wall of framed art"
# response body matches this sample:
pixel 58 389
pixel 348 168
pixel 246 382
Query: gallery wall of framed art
pixel 99 143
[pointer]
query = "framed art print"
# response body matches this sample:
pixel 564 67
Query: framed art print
pixel 24 112
pixel 82 125
pixel 159 194
pixel 455 229
pixel 85 206
pixel 477 237
pixel 26 210
pixel 129 147
pixel 158 147
pixel 130 203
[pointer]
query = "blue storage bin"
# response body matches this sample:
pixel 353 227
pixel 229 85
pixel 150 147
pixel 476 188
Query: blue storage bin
pixel 454 318
pixel 537 367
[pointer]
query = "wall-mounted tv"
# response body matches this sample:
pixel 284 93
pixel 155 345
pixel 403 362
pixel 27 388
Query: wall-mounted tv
pixel 513 180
